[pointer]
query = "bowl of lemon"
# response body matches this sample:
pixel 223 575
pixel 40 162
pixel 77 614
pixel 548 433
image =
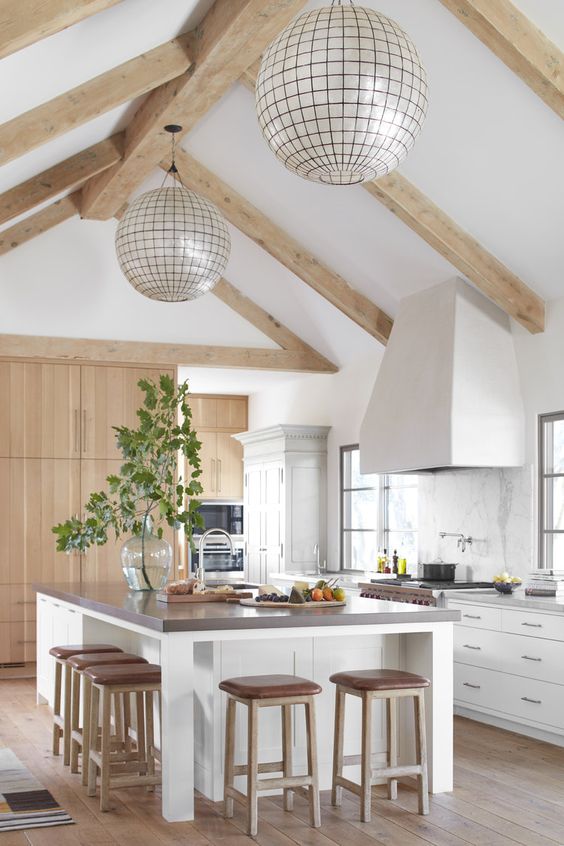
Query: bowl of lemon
pixel 504 583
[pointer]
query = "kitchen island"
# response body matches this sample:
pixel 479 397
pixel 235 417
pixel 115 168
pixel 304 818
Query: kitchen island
pixel 198 645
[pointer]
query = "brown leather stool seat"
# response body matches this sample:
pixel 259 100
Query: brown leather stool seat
pixel 269 687
pixel 124 674
pixel 64 652
pixel 83 660
pixel 379 680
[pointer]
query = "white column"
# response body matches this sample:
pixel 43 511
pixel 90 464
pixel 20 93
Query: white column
pixel 177 662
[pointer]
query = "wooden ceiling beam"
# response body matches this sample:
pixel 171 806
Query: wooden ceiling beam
pixel 487 273
pixel 93 98
pixel 145 352
pixel 231 35
pixel 23 22
pixel 519 44
pixel 294 256
pixel 66 176
pixel 39 222
pixel 446 237
pixel 266 323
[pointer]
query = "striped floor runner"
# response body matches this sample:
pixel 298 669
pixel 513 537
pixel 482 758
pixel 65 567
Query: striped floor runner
pixel 24 802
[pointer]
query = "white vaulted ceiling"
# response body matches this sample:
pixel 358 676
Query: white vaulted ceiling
pixel 491 155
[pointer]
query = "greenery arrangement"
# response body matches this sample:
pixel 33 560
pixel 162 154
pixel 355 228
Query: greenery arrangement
pixel 147 485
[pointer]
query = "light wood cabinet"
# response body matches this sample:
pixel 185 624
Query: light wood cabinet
pixel 218 412
pixel 216 419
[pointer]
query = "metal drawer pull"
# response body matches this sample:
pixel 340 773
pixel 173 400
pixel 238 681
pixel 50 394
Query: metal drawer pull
pixel 474 617
pixel 534 701
pixel 26 641
pixel 529 658
pixel 469 646
pixel 25 602
pixel 467 684
pixel 533 625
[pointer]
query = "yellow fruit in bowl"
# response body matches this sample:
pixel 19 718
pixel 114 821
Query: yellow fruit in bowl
pixel 516 580
pixel 339 594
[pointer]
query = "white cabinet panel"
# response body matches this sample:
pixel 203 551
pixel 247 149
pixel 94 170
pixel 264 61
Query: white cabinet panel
pixel 533 624
pixel 305 505
pixel 478 616
pixel 508 653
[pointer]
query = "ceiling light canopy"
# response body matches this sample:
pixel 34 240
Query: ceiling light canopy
pixel 171 244
pixel 341 95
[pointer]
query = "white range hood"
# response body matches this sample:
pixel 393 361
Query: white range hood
pixel 447 392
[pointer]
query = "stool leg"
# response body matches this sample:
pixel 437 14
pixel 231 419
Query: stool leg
pixel 149 705
pixel 366 756
pixel 86 705
pixel 57 707
pixel 94 740
pixel 336 791
pixel 392 725
pixel 286 711
pixel 127 721
pixel 118 721
pixel 141 746
pixel 106 749
pixel 252 769
pixel 229 756
pixel 67 716
pixel 311 729
pixel 75 720
pixel 421 744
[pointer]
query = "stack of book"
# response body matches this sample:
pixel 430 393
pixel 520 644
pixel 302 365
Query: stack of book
pixel 546 583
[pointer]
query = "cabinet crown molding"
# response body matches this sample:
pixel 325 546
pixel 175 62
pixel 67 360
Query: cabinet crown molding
pixel 285 430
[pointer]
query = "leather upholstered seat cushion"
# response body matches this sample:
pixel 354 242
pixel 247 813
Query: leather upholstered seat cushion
pixel 124 674
pixel 269 687
pixel 65 652
pixel 82 661
pixel 379 680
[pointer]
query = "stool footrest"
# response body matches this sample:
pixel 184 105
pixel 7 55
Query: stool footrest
pixel 134 781
pixel 288 782
pixel 233 793
pixel 397 772
pixel 268 767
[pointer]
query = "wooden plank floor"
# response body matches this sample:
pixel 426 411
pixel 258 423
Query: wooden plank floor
pixel 509 790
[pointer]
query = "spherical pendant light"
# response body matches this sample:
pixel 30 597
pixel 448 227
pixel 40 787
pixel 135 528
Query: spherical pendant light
pixel 341 95
pixel 172 244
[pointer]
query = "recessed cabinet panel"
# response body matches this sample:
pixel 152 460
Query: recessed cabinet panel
pixel 232 414
pixel 229 467
pixel 100 563
pixel 5 408
pixel 305 510
pixel 208 464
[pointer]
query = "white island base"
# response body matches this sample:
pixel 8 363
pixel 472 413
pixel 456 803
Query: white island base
pixel 194 662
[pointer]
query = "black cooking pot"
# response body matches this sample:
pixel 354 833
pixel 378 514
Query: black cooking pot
pixel 438 572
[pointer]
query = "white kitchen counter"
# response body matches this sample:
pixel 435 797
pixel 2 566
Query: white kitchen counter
pixel 513 600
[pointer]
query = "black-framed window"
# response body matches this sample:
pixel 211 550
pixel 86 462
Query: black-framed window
pixel 551 490
pixel 377 512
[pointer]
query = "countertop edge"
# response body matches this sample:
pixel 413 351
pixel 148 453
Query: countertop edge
pixel 101 607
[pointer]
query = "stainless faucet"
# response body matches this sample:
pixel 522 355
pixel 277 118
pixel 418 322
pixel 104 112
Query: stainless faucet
pixel 316 553
pixel 462 542
pixel 201 572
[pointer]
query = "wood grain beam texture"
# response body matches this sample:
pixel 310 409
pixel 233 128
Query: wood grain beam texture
pixel 66 176
pixel 87 101
pixel 132 352
pixel 442 233
pixel 519 44
pixel 23 22
pixel 232 35
pixel 39 222
pixel 256 225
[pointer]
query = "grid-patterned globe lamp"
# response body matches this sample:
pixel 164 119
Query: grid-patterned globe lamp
pixel 172 244
pixel 341 95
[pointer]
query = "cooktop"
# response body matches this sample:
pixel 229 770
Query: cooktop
pixel 428 585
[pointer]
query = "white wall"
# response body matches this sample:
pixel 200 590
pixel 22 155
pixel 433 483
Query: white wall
pixel 496 507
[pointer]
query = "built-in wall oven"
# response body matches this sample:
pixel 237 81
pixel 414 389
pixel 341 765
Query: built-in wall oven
pixel 223 515
pixel 220 563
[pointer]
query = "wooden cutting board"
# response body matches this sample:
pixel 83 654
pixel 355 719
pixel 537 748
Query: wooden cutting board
pixel 331 603
pixel 235 596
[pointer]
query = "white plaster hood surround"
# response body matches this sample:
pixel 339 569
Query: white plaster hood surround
pixel 447 393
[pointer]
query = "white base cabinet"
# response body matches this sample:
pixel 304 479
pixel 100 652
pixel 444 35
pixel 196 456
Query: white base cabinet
pixel 509 668
pixel 285 498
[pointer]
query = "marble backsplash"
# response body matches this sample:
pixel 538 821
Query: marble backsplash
pixel 493 506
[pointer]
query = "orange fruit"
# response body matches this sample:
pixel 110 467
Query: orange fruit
pixel 328 594
pixel 316 595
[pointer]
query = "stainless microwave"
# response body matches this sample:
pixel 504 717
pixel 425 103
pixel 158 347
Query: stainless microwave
pixel 226 516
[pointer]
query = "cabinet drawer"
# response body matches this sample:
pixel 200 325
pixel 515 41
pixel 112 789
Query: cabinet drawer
pixel 478 616
pixel 477 686
pixel 510 653
pixel 478 647
pixel 17 603
pixel 12 649
pixel 534 625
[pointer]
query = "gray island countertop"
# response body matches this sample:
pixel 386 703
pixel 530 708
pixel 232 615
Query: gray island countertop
pixel 518 599
pixel 143 609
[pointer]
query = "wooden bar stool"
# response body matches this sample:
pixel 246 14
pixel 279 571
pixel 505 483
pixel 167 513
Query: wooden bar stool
pixel 62 719
pixel 122 717
pixel 121 768
pixel 264 692
pixel 370 685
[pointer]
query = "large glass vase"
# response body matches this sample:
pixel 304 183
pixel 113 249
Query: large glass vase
pixel 146 559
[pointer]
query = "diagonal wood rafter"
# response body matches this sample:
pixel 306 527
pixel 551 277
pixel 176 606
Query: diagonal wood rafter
pixel 39 222
pixel 519 44
pixel 256 225
pixel 66 176
pixel 231 35
pixel 23 22
pixel 95 97
pixel 443 234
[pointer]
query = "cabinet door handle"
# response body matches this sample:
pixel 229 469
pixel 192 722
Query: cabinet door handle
pixel 534 701
pixel 469 646
pixel 31 602
pixel 529 658
pixel 473 616
pixel 76 431
pixel 26 641
pixel 474 686
pixel 213 477
pixel 533 625
pixel 83 430
pixel 219 475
